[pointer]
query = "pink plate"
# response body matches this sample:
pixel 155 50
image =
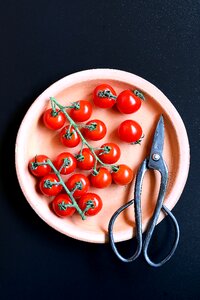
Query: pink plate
pixel 33 138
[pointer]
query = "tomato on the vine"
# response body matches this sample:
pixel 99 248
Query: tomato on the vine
pixel 128 102
pixel 102 179
pixel 69 137
pixel 49 185
pixel 36 170
pixel 122 174
pixel 54 120
pixel 81 111
pixel 104 96
pixel 110 153
pixel 61 206
pixel 67 160
pixel 95 130
pixel 78 184
pixel 130 131
pixel 91 201
pixel 85 159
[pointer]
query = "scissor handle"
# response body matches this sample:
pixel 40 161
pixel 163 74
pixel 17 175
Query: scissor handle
pixel 159 205
pixel 174 246
pixel 111 235
pixel 138 216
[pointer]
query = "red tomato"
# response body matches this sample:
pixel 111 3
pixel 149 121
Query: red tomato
pixel 85 161
pixel 104 96
pixel 110 153
pixel 82 111
pixel 80 183
pixel 102 179
pixel 128 102
pixel 36 170
pixel 69 137
pixel 90 200
pixel 96 130
pixel 130 131
pixel 48 185
pixel 68 159
pixel 60 206
pixel 122 174
pixel 54 120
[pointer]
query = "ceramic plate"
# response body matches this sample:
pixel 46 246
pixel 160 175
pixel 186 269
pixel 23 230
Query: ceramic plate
pixel 33 138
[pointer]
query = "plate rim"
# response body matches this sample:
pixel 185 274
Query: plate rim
pixel 151 89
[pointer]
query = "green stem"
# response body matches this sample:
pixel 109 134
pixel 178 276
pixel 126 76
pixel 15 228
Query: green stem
pixel 81 213
pixel 76 127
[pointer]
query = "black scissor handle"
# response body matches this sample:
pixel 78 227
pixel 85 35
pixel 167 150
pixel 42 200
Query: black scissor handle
pixel 111 235
pixel 174 246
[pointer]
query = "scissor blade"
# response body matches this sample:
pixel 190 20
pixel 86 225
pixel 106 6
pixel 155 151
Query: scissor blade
pixel 158 140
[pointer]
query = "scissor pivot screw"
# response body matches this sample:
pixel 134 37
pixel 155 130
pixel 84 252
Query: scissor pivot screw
pixel 156 156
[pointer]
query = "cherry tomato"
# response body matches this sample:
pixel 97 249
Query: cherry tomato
pixel 102 179
pixel 80 183
pixel 85 160
pixel 104 96
pixel 48 185
pixel 69 137
pixel 128 102
pixel 110 153
pixel 95 131
pixel 122 174
pixel 60 206
pixel 36 170
pixel 130 131
pixel 54 120
pixel 82 111
pixel 90 200
pixel 68 159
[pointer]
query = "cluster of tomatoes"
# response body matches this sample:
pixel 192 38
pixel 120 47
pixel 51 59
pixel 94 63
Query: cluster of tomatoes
pixel 107 155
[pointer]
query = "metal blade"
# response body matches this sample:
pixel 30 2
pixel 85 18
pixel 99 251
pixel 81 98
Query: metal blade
pixel 158 140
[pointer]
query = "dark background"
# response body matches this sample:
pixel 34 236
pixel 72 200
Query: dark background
pixel 43 41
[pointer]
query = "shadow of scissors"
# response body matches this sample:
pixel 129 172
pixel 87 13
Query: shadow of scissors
pixel 154 162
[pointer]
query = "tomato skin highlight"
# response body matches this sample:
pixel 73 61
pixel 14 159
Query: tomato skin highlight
pixel 97 202
pixel 54 122
pixel 104 102
pixel 87 162
pixel 128 102
pixel 78 178
pixel 39 171
pixel 71 163
pixel 112 154
pixel 50 191
pixel 130 131
pixel 69 137
pixel 59 206
pixel 83 113
pixel 101 180
pixel 97 133
pixel 123 176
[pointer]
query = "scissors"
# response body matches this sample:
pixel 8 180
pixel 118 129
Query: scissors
pixel 154 162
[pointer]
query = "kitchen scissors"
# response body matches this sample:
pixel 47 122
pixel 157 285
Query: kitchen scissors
pixel 154 162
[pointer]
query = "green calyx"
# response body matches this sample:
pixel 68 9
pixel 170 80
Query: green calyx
pixel 68 135
pixel 138 142
pixel 92 126
pixel 48 184
pixel 54 113
pixel 66 162
pixel 80 157
pixel 115 168
pixel 62 205
pixel 79 185
pixel 106 94
pixel 139 94
pixel 76 105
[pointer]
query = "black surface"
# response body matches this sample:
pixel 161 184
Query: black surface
pixel 42 41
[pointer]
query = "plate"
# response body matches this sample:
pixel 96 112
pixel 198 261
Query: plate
pixel 33 138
